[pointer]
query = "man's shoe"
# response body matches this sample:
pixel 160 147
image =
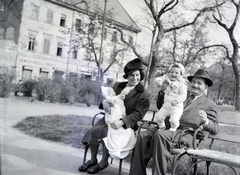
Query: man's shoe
pixel 94 169
pixel 86 165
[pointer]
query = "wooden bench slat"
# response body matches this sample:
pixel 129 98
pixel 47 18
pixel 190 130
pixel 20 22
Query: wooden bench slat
pixel 224 137
pixel 177 151
pixel 216 156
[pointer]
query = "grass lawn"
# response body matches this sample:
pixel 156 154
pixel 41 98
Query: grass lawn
pixel 70 129
pixel 67 129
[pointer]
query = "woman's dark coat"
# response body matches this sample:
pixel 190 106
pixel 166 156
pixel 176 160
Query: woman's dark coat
pixel 136 103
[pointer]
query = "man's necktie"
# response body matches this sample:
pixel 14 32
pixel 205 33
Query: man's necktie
pixel 189 100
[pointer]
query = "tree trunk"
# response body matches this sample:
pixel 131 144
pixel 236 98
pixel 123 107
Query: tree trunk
pixel 236 72
pixel 155 53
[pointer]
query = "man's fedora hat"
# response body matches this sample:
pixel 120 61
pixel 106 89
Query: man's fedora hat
pixel 132 66
pixel 202 74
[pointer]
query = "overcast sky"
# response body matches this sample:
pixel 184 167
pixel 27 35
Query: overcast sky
pixel 216 34
pixel 134 10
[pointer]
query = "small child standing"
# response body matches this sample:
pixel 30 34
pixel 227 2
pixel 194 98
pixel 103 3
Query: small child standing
pixel 175 94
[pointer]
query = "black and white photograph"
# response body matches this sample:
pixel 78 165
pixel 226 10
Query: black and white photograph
pixel 125 87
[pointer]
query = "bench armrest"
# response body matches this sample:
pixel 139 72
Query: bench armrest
pixel 94 117
pixel 198 136
pixel 145 124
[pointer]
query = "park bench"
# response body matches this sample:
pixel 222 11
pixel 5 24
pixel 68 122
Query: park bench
pixel 198 154
pixel 209 155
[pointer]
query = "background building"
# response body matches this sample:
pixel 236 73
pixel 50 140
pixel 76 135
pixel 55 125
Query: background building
pixel 40 37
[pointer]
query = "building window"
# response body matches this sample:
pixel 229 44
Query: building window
pixel 86 76
pixel 91 29
pixel 46 46
pixel 59 49
pixel 74 55
pixel 26 74
pixel 49 16
pixel 114 36
pixel 31 43
pixel 35 12
pixel 57 74
pixel 63 20
pixel 78 25
pixel 43 73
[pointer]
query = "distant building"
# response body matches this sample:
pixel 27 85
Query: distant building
pixel 35 36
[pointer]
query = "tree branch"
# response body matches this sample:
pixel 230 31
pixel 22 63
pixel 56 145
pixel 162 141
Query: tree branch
pixel 128 43
pixel 167 8
pixel 114 55
pixel 220 23
pixel 236 16
pixel 206 9
pixel 151 8
pixel 210 46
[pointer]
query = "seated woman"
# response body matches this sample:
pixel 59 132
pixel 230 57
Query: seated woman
pixel 136 102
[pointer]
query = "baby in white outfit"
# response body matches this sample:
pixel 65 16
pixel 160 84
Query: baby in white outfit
pixel 118 142
pixel 174 96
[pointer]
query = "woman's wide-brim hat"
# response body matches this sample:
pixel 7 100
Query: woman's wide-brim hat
pixel 132 66
pixel 202 74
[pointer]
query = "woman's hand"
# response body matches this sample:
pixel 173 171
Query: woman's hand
pixel 106 106
pixel 117 124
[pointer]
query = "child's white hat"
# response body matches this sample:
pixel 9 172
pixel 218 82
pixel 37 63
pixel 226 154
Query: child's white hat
pixel 179 65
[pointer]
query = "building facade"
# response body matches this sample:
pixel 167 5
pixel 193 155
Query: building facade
pixel 46 36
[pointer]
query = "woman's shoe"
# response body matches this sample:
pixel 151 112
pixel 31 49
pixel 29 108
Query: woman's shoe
pixel 96 168
pixel 86 165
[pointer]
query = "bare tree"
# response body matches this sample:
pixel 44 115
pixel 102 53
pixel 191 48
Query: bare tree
pixel 184 43
pixel 232 51
pixel 88 38
pixel 221 73
pixel 162 12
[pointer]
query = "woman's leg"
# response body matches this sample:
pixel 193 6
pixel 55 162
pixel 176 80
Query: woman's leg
pixel 102 164
pixel 104 161
pixel 94 151
pixel 93 161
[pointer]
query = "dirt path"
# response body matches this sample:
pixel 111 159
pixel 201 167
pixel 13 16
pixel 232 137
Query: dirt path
pixel 25 155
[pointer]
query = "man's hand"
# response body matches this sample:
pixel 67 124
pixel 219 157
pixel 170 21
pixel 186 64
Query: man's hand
pixel 117 124
pixel 203 116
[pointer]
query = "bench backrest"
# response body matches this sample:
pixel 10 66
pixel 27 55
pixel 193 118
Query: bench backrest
pixel 222 137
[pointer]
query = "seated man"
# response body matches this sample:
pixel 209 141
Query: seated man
pixel 199 111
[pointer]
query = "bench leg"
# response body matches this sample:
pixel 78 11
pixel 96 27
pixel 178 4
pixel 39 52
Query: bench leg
pixel 208 167
pixel 85 153
pixel 111 160
pixel 120 167
pixel 195 167
pixel 176 159
pixel 192 163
